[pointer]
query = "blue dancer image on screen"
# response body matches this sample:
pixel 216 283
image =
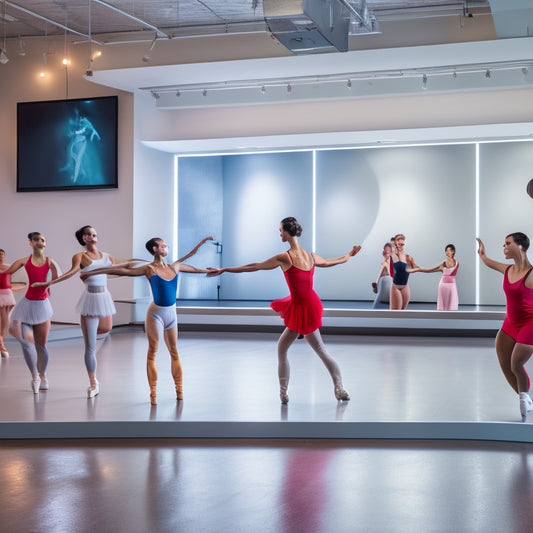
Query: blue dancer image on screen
pixel 81 161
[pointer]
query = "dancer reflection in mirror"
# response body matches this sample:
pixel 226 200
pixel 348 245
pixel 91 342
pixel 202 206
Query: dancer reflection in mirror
pixel 400 293
pixel 447 296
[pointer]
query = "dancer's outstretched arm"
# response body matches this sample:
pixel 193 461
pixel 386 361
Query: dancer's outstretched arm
pixel 495 265
pixel 144 270
pixel 195 249
pixel 268 264
pixel 324 263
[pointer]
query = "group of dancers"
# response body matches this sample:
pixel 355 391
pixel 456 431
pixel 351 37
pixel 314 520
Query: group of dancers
pixel 391 287
pixel 301 311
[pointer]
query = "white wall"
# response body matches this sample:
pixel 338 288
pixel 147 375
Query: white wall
pixel 58 214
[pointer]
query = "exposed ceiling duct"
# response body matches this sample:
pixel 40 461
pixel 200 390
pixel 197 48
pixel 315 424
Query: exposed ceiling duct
pixel 315 26
pixel 512 18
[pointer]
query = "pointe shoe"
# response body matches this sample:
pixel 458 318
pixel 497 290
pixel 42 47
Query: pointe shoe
pixel 153 397
pixel 35 384
pixel 374 287
pixel 526 404
pixel 44 384
pixel 179 393
pixel 284 397
pixel 341 394
pixel 93 390
pixel 5 353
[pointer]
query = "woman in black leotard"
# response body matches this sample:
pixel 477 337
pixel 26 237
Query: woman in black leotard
pixel 401 261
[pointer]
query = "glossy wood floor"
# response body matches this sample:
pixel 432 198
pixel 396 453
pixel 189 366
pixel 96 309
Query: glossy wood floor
pixel 257 484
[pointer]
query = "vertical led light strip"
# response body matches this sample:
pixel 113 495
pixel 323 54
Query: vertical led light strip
pixel 313 243
pixel 175 213
pixel 478 262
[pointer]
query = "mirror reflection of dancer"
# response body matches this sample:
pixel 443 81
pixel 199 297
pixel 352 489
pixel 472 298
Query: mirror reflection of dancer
pixel 81 128
pixel 96 307
pixel 7 302
pixel 447 297
pixel 302 310
pixel 514 341
pixel 383 283
pixel 161 320
pixel 30 319
pixel 400 293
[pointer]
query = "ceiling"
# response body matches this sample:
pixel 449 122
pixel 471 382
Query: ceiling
pixel 126 20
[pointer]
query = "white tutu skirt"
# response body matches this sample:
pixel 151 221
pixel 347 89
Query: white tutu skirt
pixel 96 304
pixel 6 298
pixel 32 311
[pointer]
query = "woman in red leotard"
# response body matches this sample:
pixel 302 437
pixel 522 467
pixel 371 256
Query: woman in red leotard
pixel 30 319
pixel 514 342
pixel 302 310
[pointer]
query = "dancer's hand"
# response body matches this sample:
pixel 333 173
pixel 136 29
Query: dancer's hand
pixel 213 272
pixel 355 250
pixel 481 246
pixel 40 284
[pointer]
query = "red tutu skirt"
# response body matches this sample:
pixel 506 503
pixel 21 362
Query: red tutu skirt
pixel 302 318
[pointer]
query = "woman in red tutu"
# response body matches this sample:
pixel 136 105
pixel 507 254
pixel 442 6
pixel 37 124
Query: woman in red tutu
pixel 302 310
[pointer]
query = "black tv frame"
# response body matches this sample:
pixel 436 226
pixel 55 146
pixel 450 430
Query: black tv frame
pixel 67 144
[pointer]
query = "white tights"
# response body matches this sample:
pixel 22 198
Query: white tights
pixel 315 341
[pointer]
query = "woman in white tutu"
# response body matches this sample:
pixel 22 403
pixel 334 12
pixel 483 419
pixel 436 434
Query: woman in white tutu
pixel 96 307
pixel 30 319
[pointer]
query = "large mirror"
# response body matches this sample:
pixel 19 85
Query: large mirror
pixel 434 194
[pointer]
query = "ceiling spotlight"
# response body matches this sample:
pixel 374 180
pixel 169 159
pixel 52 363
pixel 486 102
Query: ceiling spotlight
pixel 146 57
pixel 487 74
pixel 178 94
pixel 155 95
pixel 289 88
pixel 454 75
pixel 424 81
pixel 349 84
pixel 525 71
pixel 3 57
pixel 204 92
pixel 263 90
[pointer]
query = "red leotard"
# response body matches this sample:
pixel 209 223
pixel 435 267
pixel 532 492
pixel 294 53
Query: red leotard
pixel 518 322
pixel 5 281
pixel 302 310
pixel 35 274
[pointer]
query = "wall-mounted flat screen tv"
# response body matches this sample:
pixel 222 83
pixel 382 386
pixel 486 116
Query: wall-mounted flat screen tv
pixel 67 144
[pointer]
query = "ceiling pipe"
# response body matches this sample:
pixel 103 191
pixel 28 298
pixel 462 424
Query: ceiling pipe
pixel 46 19
pixel 158 31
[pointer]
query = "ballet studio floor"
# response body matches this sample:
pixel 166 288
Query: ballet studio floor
pixel 430 441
